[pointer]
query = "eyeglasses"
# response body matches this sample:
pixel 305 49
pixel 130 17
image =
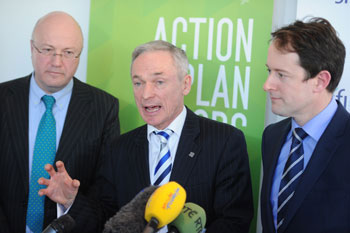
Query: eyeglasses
pixel 50 51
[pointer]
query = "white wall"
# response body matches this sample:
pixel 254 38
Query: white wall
pixel 17 19
pixel 337 12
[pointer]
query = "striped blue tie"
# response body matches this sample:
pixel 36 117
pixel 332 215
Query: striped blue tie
pixel 163 168
pixel 291 174
pixel 44 153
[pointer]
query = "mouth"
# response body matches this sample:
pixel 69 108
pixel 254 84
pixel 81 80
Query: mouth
pixel 153 108
pixel 274 98
pixel 55 72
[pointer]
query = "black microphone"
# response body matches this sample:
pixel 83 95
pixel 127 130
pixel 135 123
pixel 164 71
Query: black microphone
pixel 63 224
pixel 130 218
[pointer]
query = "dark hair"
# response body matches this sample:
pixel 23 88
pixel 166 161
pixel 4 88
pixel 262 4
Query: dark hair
pixel 318 46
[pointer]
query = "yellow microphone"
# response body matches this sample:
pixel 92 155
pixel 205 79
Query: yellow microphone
pixel 164 205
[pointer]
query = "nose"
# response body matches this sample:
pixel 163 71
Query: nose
pixel 268 85
pixel 57 59
pixel 148 91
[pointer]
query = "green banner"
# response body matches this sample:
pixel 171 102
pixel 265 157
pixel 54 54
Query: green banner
pixel 226 42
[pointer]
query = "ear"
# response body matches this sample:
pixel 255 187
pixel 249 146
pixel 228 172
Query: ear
pixel 322 80
pixel 187 83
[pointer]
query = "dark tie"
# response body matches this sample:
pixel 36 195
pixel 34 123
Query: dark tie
pixel 164 164
pixel 291 174
pixel 44 153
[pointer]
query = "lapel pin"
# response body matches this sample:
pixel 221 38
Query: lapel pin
pixel 191 154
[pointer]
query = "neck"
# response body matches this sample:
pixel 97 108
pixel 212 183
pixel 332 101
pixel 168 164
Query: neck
pixel 320 103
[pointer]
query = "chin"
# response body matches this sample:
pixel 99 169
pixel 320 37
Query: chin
pixel 149 120
pixel 280 113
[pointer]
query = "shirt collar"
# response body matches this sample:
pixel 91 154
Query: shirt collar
pixel 176 126
pixel 38 93
pixel 317 125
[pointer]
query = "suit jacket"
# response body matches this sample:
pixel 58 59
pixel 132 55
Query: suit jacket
pixel 321 202
pixel 91 123
pixel 217 177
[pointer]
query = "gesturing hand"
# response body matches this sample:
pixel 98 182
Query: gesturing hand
pixel 61 188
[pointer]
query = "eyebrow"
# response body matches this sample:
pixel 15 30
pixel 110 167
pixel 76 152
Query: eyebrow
pixel 278 70
pixel 48 45
pixel 154 74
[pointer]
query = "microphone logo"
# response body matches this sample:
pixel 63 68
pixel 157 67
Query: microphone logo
pixel 192 213
pixel 172 197
pixel 192 219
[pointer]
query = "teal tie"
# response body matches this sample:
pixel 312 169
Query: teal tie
pixel 44 153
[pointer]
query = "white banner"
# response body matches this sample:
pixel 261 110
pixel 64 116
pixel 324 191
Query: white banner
pixel 337 13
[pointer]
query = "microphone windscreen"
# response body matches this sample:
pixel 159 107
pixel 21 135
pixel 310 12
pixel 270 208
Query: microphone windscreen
pixel 192 219
pixel 130 218
pixel 63 224
pixel 166 203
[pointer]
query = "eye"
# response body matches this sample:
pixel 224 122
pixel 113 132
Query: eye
pixel 160 82
pixel 68 53
pixel 268 70
pixel 280 75
pixel 137 84
pixel 47 50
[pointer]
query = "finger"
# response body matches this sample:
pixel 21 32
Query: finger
pixel 76 183
pixel 44 181
pixel 49 168
pixel 43 192
pixel 60 167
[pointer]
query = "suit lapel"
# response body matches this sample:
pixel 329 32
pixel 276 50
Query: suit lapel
pixel 187 150
pixel 140 157
pixel 280 135
pixel 17 106
pixel 183 162
pixel 77 116
pixel 323 153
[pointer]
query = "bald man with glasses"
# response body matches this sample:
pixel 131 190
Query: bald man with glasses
pixel 71 133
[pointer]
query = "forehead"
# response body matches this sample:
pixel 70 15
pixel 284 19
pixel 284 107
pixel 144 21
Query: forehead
pixel 281 58
pixel 58 31
pixel 152 63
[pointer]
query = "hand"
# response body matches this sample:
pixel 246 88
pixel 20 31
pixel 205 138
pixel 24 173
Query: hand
pixel 61 188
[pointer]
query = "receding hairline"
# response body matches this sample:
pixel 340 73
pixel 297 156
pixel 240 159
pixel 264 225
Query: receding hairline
pixel 179 57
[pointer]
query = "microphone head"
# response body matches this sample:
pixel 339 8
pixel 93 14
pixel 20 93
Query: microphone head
pixel 166 203
pixel 63 224
pixel 192 219
pixel 130 218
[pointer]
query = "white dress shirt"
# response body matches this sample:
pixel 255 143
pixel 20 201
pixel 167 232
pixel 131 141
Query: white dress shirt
pixel 173 141
pixel 37 109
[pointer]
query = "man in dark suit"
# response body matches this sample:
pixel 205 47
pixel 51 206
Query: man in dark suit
pixel 209 159
pixel 305 157
pixel 86 121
